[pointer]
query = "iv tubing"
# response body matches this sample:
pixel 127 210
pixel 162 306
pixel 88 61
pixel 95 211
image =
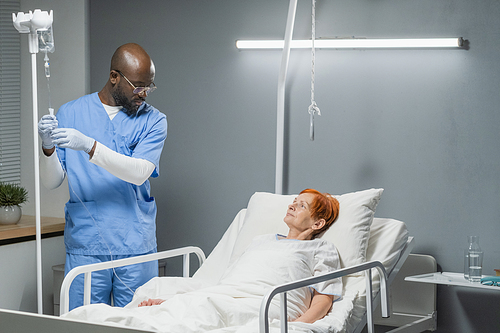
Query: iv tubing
pixel 280 126
pixel 47 75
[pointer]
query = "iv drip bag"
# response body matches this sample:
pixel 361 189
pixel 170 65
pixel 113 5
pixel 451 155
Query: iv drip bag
pixel 46 40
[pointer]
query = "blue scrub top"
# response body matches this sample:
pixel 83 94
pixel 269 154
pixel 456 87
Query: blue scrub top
pixel 115 216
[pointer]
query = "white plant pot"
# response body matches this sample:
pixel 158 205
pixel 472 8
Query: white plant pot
pixel 10 214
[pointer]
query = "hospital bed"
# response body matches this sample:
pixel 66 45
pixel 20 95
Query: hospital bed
pixel 363 243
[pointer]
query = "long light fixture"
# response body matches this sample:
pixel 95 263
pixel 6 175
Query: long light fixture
pixel 355 43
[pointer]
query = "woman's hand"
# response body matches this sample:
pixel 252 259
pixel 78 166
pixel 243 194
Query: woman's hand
pixel 151 302
pixel 320 306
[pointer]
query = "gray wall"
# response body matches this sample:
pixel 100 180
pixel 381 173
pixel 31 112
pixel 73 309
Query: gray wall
pixel 423 124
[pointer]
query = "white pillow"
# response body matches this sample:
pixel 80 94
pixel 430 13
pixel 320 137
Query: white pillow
pixel 351 230
pixel 387 239
pixel 349 233
pixel 265 213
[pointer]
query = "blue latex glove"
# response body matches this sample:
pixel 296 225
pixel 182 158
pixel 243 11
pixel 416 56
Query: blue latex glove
pixel 45 127
pixel 72 138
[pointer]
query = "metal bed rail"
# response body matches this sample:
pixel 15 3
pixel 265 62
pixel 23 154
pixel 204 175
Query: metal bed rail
pixel 407 248
pixel 283 288
pixel 88 269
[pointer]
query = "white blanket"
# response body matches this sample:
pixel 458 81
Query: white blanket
pixel 233 304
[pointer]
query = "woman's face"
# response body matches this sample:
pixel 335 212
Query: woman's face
pixel 298 216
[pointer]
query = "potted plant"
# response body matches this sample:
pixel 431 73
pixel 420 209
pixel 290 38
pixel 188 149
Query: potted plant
pixel 11 197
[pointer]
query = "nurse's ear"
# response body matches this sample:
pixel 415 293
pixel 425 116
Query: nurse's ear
pixel 114 77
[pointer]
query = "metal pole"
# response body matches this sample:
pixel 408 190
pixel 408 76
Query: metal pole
pixel 38 225
pixel 280 126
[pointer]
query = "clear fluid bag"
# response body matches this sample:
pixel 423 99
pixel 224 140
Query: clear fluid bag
pixel 46 40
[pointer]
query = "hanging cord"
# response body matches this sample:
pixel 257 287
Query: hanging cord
pixel 313 108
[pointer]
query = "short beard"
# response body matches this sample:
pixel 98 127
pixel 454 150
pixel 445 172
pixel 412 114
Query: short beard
pixel 120 99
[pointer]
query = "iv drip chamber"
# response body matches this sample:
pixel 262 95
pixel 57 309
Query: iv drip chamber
pixel 46 65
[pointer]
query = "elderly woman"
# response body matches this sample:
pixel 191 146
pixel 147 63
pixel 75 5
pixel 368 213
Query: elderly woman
pixel 310 214
pixel 268 261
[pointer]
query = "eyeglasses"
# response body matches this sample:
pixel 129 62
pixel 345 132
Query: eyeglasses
pixel 139 90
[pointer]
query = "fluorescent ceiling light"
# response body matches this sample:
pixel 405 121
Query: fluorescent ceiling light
pixel 353 43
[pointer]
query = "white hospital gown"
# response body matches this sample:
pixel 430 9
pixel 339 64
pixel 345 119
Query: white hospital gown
pixel 233 304
pixel 284 260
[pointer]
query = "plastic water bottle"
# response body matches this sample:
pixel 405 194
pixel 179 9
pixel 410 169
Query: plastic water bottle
pixel 474 259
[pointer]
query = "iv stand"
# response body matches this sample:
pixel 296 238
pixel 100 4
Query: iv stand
pixel 31 23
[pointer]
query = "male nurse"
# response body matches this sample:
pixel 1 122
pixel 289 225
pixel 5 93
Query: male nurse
pixel 108 144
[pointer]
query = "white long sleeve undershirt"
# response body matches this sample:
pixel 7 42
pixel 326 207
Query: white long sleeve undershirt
pixel 51 171
pixel 130 169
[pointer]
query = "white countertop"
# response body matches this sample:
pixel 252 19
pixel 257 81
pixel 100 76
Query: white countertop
pixel 448 278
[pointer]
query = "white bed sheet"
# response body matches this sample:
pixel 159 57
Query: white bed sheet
pixel 233 304
pixel 196 310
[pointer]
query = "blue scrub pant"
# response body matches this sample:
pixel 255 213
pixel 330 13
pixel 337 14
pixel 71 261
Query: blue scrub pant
pixel 106 283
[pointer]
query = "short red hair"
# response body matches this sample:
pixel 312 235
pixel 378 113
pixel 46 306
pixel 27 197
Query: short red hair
pixel 324 206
